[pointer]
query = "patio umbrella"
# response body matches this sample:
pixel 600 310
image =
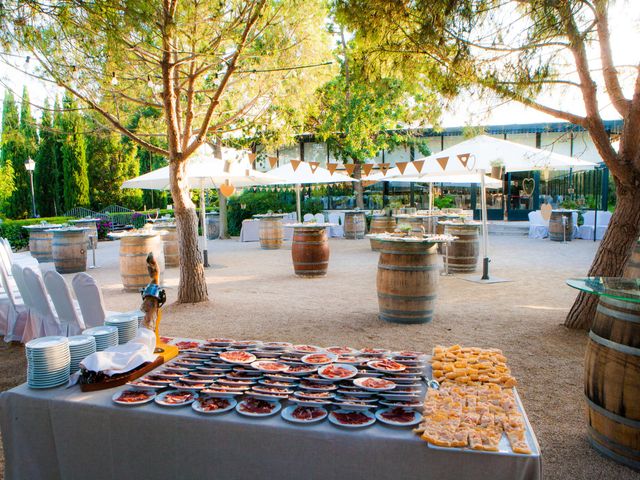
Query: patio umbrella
pixel 301 173
pixel 479 153
pixel 205 170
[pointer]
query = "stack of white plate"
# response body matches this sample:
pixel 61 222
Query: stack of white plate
pixel 139 314
pixel 80 346
pixel 106 336
pixel 127 325
pixel 48 360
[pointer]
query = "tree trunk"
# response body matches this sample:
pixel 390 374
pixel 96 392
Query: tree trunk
pixel 222 201
pixel 193 285
pixel 612 255
pixel 357 186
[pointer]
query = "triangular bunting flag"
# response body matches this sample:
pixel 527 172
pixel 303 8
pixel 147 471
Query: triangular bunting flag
pixel 273 161
pixel 332 167
pixel 442 161
pixel 384 167
pixel 418 164
pixel 464 159
pixel 255 188
pixel 314 166
pixel 295 164
pixel 402 166
pixel 350 167
pixel 252 159
pixel 366 168
pixel 227 189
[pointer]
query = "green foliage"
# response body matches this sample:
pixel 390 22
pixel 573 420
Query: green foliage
pixel 46 176
pixel 19 237
pixel 10 123
pixel 74 157
pixel 446 201
pixel 250 203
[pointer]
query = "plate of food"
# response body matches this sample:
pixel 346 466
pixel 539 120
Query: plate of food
pixel 386 365
pixel 317 387
pixel 142 384
pixel 269 366
pixel 244 344
pixel 220 342
pixel 352 419
pixel 304 349
pixel 254 407
pixel 356 393
pixel 267 396
pixel 188 387
pixel 175 398
pixel 408 354
pixel 355 405
pixel 133 397
pixel 274 383
pixel 374 384
pixel 158 380
pixel 299 370
pixel 304 414
pixel 314 395
pixel 403 397
pixel 238 357
pixel 220 391
pixel 236 382
pixel 281 378
pixel 319 358
pixel 310 402
pixel 343 351
pixel 400 403
pixel 276 345
pixel 186 345
pixel 374 352
pixel 338 371
pixel 348 359
pixel 348 398
pixel 213 405
pixel 399 416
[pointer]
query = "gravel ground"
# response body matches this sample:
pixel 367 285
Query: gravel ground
pixel 254 294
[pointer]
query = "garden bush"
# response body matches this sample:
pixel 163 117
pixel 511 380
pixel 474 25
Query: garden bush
pixel 19 237
pixel 250 203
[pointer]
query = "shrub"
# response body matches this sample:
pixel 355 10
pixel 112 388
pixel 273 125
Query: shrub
pixel 446 201
pixel 250 203
pixel 19 237
pixel 104 227
pixel 138 220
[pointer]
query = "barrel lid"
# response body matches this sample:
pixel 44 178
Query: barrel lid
pixel 68 229
pixel 627 289
pixel 270 215
pixel 82 220
pixel 42 226
pixel 136 233
pixel 388 237
pixel 310 225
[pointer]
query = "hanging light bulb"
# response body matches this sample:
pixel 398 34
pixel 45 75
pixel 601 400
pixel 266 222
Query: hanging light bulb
pixel 75 73
pixel 114 80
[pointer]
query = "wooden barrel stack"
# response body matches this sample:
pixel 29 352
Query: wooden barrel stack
pixel 40 239
pixel 310 252
pixel 612 381
pixel 407 282
pixel 560 231
pixel 462 253
pixel 133 259
pixel 69 250
pixel 271 233
pixel 632 270
pixel 355 225
pixel 169 243
pixel 381 224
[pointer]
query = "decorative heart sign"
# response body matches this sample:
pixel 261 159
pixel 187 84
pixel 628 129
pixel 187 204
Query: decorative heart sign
pixel 227 190
pixel 528 184
pixel 545 211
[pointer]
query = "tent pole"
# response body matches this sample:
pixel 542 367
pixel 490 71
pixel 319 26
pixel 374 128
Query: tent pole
pixel 430 197
pixel 298 207
pixel 203 222
pixel 485 233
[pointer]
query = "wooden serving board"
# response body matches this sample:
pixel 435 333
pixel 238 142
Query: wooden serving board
pixel 124 378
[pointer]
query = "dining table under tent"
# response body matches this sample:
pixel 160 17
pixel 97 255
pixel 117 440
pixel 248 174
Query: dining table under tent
pixel 204 171
pixel 477 156
pixel 299 173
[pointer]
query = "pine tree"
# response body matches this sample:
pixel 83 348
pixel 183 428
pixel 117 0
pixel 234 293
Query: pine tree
pixel 74 158
pixel 45 175
pixel 10 124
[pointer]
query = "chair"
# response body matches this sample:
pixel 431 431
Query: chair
pixel 598 221
pixel 70 319
pixel 90 299
pixel 38 302
pixel 5 256
pixel 538 228
pixel 308 217
pixel 338 219
pixel 319 217
pixel 14 314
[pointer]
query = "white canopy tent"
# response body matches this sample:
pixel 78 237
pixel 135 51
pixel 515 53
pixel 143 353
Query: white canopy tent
pixel 303 174
pixel 205 170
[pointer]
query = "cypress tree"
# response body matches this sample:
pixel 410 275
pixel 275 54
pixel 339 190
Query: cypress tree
pixel 74 158
pixel 57 156
pixel 10 123
pixel 46 176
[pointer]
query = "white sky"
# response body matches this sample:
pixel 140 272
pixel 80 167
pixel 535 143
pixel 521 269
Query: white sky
pixel 466 110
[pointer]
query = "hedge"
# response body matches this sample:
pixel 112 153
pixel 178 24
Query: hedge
pixel 19 237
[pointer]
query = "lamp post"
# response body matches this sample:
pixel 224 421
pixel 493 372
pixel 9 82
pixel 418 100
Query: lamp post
pixel 30 166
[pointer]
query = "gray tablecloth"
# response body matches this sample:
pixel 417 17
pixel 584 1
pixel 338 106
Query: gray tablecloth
pixel 66 434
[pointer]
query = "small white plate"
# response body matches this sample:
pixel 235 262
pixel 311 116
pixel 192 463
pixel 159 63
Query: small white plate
pixel 269 397
pixel 310 403
pixel 223 394
pixel 354 407
pixel 323 371
pixel 287 414
pixel 225 357
pixel 333 419
pixel 417 417
pixel 160 399
pixel 196 406
pixel 310 359
pixel 361 382
pixel 276 408
pixel 306 349
pixel 115 396
pixel 261 365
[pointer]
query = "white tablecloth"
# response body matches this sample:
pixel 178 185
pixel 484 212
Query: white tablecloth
pixel 250 231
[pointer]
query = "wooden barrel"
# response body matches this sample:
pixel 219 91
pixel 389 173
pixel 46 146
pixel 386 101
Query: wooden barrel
pixel 310 252
pixel 381 224
pixel 416 223
pixel 271 233
pixel 559 232
pixel 69 250
pixel 612 381
pixel 407 281
pixel 213 226
pixel 169 243
pixel 91 226
pixel 462 254
pixel 40 237
pixel 133 259
pixel 355 225
pixel 632 269
pixel 408 210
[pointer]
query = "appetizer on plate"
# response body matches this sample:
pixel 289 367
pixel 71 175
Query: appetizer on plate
pixel 304 414
pixel 269 366
pixel 314 395
pixel 213 404
pixel 220 342
pixel 374 384
pixel 185 345
pixel 342 350
pixel 351 419
pixel 175 398
pixel 338 371
pixel 255 407
pixel 319 358
pixel 314 386
pixel 306 349
pixel 237 356
pixel 133 397
pixel 374 352
pixel 399 416
pixel 386 365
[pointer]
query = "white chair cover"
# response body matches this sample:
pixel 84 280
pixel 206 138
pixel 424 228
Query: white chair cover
pixel 70 320
pixel 250 231
pixel 338 219
pixel 307 217
pixel 38 302
pixel 319 217
pixel 22 324
pixel 90 299
pixel 5 257
pixel 601 223
pixel 13 313
pixel 538 228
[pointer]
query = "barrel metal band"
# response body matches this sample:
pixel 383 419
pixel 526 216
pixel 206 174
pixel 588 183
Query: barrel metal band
pixel 308 243
pixel 627 317
pixel 404 252
pixel 595 438
pixel 311 263
pixel 613 416
pixel 614 346
pixel 416 298
pixel 400 268
pixel 614 302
